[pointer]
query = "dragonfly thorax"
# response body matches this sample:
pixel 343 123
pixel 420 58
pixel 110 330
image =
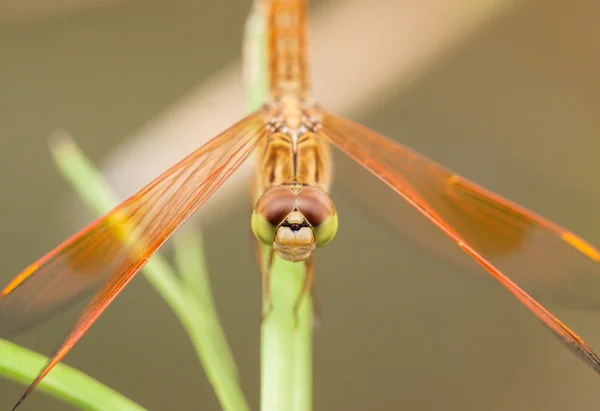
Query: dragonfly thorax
pixel 291 116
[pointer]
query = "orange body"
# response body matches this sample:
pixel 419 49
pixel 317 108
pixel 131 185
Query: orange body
pixel 294 152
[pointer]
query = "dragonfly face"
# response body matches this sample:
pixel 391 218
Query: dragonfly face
pixel 294 219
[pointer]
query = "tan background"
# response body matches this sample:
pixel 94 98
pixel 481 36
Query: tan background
pixel 515 107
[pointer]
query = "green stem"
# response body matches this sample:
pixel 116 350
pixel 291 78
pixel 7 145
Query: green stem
pixel 189 258
pixel 69 384
pixel 286 350
pixel 201 324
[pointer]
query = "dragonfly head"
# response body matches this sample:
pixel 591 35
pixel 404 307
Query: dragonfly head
pixel 294 220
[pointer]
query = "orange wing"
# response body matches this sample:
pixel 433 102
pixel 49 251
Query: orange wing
pixel 101 259
pixel 501 236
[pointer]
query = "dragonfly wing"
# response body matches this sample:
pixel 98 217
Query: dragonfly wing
pixel 103 257
pixel 501 236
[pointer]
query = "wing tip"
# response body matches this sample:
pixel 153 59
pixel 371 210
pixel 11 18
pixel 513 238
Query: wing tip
pixel 26 394
pixel 18 404
pixel 581 245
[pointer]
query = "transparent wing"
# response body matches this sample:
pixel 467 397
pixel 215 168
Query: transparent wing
pixel 102 258
pixel 501 236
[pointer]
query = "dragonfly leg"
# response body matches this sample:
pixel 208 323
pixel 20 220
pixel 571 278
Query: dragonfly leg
pixel 266 282
pixel 307 284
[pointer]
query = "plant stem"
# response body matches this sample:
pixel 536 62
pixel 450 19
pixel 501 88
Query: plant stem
pixel 69 384
pixel 200 322
pixel 286 350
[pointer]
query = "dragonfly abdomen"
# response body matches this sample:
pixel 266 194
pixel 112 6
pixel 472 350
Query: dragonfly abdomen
pixel 287 69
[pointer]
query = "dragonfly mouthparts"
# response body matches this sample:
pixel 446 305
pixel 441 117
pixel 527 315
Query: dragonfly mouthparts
pixel 295 226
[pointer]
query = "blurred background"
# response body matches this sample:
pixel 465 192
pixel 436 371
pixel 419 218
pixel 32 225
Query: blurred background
pixel 505 92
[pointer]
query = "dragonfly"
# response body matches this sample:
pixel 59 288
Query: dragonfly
pixel 292 136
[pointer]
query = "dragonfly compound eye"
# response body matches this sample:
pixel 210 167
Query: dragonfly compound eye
pixel 318 209
pixel 270 211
